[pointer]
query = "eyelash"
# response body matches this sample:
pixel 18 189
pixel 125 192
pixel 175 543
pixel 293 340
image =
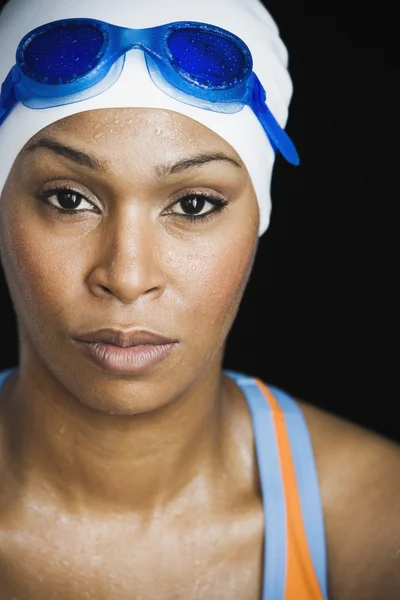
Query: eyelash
pixel 218 203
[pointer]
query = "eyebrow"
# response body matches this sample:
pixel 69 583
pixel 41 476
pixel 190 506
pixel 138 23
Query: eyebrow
pixel 90 161
pixel 194 161
pixel 79 157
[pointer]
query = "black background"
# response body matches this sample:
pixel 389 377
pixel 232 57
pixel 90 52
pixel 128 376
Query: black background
pixel 319 317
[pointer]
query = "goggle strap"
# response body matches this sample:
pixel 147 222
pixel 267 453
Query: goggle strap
pixel 278 136
pixel 8 98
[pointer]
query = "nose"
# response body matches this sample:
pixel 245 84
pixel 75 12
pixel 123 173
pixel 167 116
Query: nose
pixel 128 262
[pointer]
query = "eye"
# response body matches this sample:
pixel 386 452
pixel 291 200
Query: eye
pixel 68 200
pixel 197 205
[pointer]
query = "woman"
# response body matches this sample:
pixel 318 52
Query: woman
pixel 132 466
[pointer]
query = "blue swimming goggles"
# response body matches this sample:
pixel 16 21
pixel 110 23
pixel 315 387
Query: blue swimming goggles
pixel 75 59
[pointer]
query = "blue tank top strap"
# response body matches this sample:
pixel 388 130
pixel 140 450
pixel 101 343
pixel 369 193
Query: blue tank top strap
pixel 273 498
pixel 307 483
pixel 4 375
pixel 272 493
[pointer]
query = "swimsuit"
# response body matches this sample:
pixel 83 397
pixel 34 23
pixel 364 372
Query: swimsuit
pixel 294 541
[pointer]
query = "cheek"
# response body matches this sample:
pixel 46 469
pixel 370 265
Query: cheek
pixel 212 279
pixel 36 269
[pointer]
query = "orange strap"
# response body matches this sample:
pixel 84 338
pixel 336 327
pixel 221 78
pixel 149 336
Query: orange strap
pixel 301 579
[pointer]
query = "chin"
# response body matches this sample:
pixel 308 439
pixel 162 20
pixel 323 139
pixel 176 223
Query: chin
pixel 128 396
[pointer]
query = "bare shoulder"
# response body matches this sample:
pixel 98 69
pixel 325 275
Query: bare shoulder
pixel 359 474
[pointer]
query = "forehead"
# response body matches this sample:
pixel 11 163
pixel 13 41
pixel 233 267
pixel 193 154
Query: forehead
pixel 145 143
pixel 125 122
pixel 141 131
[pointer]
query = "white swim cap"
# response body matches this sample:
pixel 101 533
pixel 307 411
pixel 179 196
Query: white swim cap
pixel 248 19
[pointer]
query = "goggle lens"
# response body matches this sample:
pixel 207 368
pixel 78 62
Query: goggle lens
pixel 68 50
pixel 210 59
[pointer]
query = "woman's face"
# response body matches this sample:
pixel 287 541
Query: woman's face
pixel 163 238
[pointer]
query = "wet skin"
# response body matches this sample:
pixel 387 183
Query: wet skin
pixel 114 486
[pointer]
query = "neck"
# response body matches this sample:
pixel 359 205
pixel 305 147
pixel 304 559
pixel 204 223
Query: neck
pixel 97 460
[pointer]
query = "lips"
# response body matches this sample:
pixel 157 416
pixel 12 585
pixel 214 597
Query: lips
pixel 117 337
pixel 133 353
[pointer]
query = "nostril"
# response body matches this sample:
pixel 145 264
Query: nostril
pixel 152 290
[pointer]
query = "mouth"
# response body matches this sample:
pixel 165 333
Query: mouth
pixel 117 337
pixel 132 353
